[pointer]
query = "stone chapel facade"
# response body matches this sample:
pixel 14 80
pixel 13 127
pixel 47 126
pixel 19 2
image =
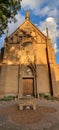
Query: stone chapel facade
pixel 28 66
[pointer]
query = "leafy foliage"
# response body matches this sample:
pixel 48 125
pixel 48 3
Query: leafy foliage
pixel 8 9
pixel 48 97
pixel 8 98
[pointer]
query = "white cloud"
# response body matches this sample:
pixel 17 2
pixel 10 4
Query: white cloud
pixel 51 24
pixel 30 4
pixel 46 10
pixel 57 50
pixel 37 9
pixel 49 7
pixel 53 12
pixel 13 26
pixel 43 11
pixel 52 3
pixel 35 4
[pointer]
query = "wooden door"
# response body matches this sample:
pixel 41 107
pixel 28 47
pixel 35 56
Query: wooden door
pixel 28 86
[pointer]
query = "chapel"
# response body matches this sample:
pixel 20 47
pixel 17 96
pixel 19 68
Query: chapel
pixel 28 65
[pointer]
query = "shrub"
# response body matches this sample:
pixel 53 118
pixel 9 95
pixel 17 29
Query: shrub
pixel 7 98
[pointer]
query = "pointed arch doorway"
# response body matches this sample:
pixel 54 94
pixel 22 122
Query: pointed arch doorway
pixel 27 82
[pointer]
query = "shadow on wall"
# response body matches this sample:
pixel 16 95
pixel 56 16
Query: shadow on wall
pixel 1 54
pixel 0 69
pixel 1 57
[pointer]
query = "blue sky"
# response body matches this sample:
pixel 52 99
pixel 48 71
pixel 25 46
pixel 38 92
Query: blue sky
pixel 43 13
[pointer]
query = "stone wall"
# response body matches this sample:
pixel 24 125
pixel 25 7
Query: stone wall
pixel 11 84
pixel 9 80
pixel 2 79
pixel 57 77
pixel 43 85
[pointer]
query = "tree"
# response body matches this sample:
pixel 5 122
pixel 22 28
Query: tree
pixel 8 10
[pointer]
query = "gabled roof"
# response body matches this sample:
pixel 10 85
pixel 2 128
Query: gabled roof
pixel 27 27
pixel 27 20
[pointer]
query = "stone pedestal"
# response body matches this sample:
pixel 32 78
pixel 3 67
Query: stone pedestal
pixel 27 101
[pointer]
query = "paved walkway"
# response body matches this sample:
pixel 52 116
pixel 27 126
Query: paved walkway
pixel 50 122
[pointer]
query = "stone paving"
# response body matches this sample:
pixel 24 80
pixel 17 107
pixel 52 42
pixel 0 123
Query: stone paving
pixel 50 122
